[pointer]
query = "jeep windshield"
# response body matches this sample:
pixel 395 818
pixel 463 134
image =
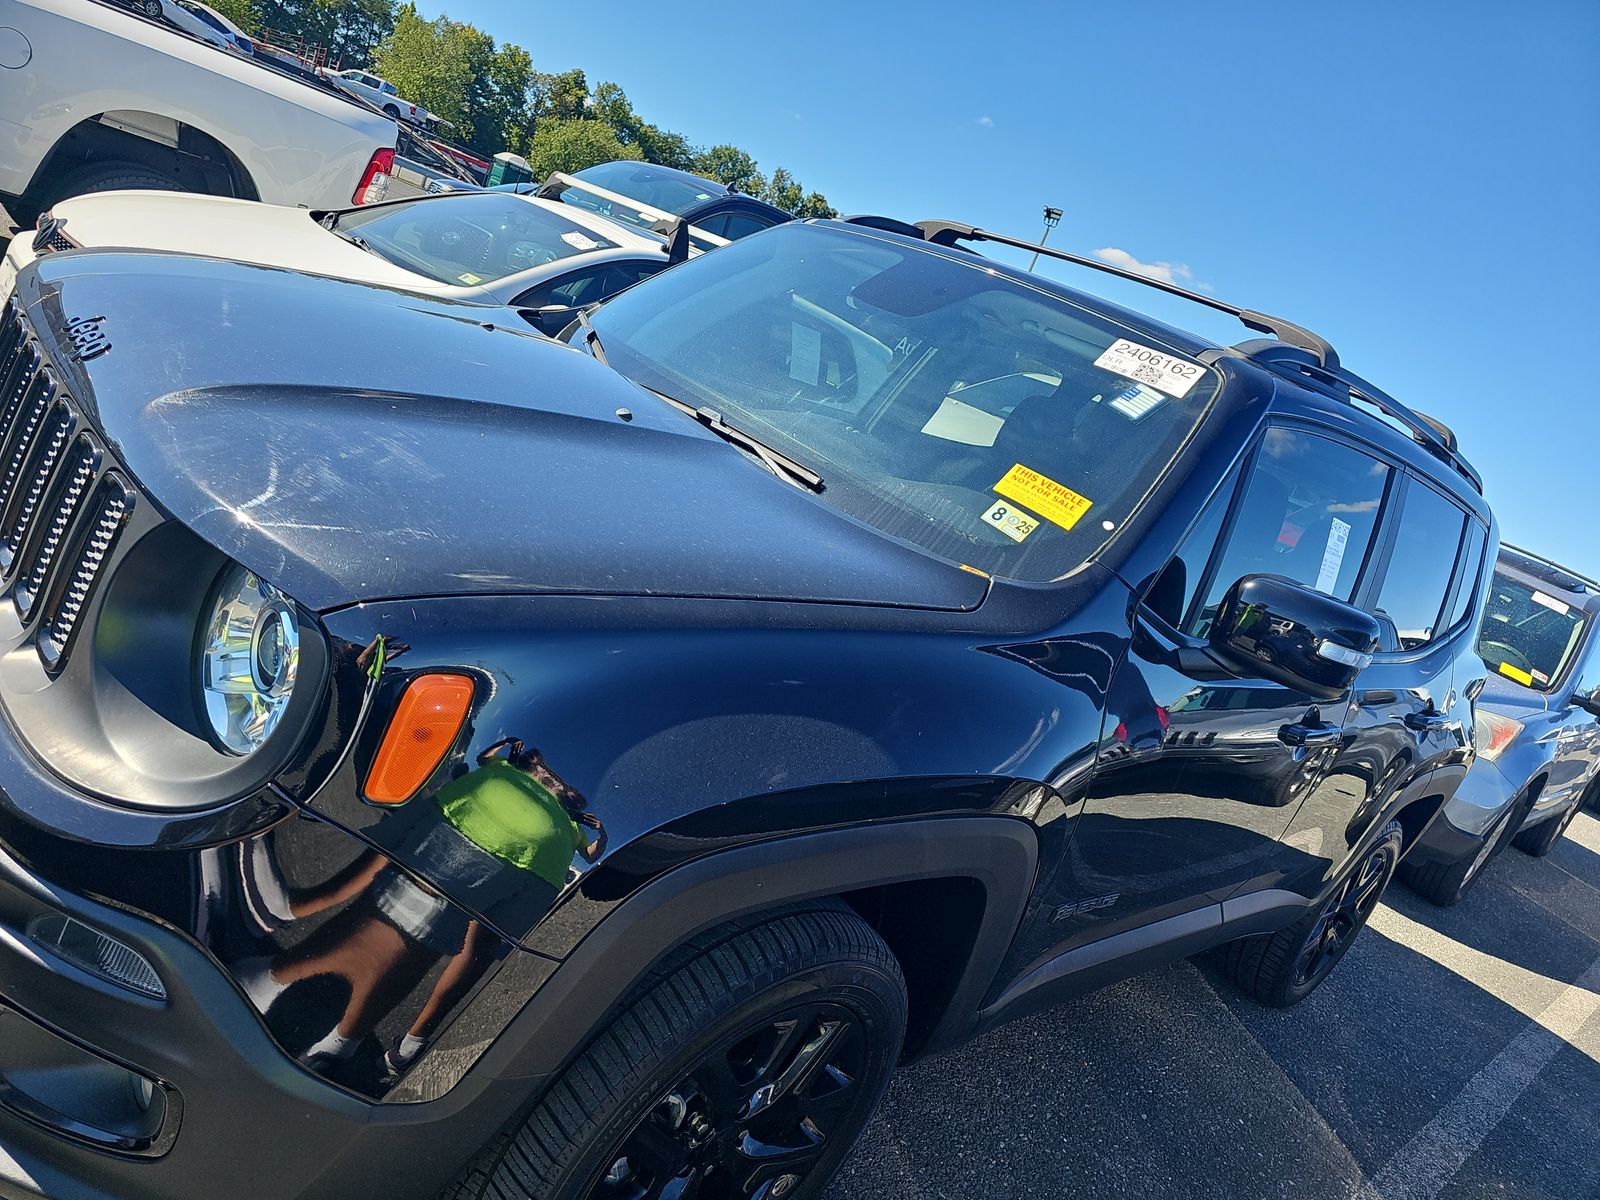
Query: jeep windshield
pixel 943 402
pixel 1529 636
pixel 468 237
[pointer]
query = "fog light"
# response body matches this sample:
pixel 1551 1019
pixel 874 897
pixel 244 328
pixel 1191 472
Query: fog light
pixel 94 952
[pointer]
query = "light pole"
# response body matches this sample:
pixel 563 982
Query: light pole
pixel 1052 218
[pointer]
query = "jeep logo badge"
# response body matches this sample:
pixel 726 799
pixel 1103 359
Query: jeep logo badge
pixel 88 337
pixel 47 230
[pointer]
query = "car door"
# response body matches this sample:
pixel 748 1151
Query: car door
pixel 1410 721
pixel 1189 802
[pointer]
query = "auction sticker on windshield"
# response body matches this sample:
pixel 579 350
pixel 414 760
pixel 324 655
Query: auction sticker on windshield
pixel 1167 372
pixel 1011 521
pixel 1039 493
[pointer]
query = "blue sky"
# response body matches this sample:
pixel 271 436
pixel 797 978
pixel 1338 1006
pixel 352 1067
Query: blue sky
pixel 1419 183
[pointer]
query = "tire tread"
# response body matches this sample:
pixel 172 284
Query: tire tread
pixel 711 973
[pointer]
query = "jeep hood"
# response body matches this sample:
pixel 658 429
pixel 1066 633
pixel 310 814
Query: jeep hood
pixel 351 443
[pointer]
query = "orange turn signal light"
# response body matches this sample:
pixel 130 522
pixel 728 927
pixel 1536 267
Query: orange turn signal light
pixel 426 723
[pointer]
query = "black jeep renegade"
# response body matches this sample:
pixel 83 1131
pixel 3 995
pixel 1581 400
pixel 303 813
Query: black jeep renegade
pixel 438 757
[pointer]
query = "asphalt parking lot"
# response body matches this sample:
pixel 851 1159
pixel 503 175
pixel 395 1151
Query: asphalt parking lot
pixel 1455 1054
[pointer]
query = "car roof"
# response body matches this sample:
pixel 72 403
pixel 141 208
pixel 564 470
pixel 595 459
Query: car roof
pixel 689 177
pixel 735 202
pixel 1576 589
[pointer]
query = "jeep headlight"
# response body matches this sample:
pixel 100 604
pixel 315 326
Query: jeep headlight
pixel 249 656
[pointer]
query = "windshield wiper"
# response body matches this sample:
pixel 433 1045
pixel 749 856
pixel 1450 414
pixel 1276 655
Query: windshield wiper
pixel 591 336
pixel 778 463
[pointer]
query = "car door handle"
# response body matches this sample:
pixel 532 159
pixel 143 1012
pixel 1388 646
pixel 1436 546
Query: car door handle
pixel 1309 735
pixel 1428 722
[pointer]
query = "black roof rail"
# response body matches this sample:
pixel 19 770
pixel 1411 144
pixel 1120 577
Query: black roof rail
pixel 1430 433
pixel 948 233
pixel 1564 575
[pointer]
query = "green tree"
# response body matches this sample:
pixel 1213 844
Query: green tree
pixel 816 205
pixel 246 14
pixel 563 97
pixel 505 112
pixel 348 30
pixel 731 166
pixel 429 63
pixel 573 145
pixel 784 191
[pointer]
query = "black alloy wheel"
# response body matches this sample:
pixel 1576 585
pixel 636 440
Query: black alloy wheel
pixel 742 1067
pixel 1283 968
pixel 1343 914
pixel 752 1118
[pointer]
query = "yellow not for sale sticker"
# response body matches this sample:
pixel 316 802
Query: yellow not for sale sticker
pixel 1053 501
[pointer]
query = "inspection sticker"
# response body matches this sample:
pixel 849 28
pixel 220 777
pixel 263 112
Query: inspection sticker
pixel 1137 402
pixel 469 277
pixel 1517 673
pixel 1550 602
pixel 1171 374
pixel 1011 520
pixel 1051 500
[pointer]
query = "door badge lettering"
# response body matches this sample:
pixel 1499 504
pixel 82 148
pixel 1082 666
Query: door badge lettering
pixel 1086 906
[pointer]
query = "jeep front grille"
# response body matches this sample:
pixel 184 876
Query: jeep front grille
pixel 61 509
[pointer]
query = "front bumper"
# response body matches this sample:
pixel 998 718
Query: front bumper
pixel 251 1122
pixel 1468 817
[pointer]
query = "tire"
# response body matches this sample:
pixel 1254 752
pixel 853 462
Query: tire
pixel 1445 883
pixel 391 112
pixel 111 177
pixel 1283 968
pixel 1540 839
pixel 794 1014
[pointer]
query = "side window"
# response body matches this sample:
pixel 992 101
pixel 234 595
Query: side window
pixel 1586 675
pixel 716 225
pixel 1309 512
pixel 586 286
pixel 1470 588
pixel 1422 565
pixel 741 225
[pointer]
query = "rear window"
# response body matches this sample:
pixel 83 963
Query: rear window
pixel 942 402
pixel 639 181
pixel 470 238
pixel 1528 635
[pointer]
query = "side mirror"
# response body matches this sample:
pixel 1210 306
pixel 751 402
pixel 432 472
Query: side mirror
pixel 1589 701
pixel 1274 628
pixel 550 319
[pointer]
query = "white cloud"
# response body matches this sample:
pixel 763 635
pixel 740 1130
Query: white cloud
pixel 1166 272
pixel 986 122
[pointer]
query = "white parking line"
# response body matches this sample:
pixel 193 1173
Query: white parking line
pixel 1421 1168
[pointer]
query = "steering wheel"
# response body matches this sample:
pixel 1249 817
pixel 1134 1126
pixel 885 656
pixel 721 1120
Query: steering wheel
pixel 524 256
pixel 1503 652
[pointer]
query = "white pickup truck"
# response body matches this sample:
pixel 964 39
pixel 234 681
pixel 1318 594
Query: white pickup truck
pixel 93 97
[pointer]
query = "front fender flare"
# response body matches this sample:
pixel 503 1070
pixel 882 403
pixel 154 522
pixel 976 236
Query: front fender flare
pixel 571 999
